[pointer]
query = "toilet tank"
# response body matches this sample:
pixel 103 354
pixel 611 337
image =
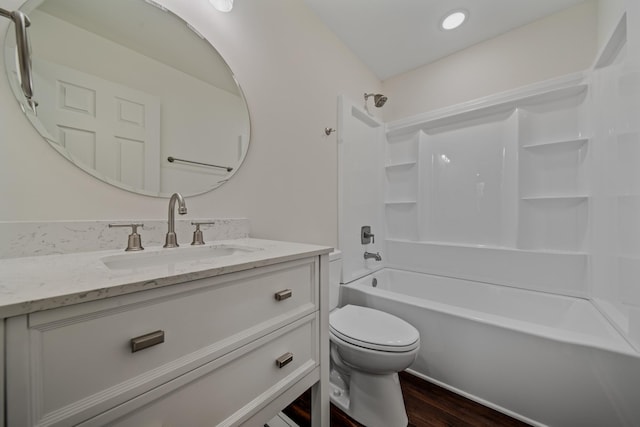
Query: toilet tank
pixel 335 270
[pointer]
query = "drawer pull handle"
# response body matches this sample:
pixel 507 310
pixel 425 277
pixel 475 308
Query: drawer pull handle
pixel 146 341
pixel 282 295
pixel 284 360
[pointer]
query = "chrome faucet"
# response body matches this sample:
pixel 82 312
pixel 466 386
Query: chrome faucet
pixel 171 241
pixel 375 256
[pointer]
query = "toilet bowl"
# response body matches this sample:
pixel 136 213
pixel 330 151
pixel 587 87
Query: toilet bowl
pixel 368 349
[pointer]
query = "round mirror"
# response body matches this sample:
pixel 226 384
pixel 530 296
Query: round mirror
pixel 133 95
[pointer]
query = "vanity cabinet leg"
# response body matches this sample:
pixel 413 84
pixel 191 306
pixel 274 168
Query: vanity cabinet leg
pixel 2 379
pixel 320 407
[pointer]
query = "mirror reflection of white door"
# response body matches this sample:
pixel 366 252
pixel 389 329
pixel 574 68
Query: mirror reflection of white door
pixel 107 127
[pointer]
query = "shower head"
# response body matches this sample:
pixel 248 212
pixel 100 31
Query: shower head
pixel 378 99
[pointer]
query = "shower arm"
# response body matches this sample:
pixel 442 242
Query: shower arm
pixel 21 21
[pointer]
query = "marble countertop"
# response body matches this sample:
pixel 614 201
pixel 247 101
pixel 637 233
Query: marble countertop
pixel 37 283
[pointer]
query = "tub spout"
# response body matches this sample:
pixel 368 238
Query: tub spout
pixel 375 256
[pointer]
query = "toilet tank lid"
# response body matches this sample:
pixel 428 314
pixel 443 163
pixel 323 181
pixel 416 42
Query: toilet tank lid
pixel 369 326
pixel 335 255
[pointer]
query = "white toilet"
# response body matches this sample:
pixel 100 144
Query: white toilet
pixel 368 349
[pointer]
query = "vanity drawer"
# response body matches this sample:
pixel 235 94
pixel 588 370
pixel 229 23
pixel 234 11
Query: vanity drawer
pixel 228 390
pixel 81 361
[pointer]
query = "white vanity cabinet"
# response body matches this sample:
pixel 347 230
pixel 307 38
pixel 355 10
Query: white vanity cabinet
pixel 232 349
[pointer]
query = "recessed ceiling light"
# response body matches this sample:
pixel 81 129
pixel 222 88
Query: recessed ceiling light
pixel 453 19
pixel 222 5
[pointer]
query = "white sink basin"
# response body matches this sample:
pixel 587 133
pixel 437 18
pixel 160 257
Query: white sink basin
pixel 169 256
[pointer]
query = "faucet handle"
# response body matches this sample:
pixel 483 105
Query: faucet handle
pixel 135 242
pixel 366 236
pixel 197 233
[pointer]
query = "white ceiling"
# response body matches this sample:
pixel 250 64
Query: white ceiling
pixel 394 36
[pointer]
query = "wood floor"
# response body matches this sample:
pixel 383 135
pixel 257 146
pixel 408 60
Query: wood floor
pixel 428 405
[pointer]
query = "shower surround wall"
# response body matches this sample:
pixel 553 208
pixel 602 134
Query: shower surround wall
pixel 498 189
pixel 615 288
pixel 535 188
pixel 360 144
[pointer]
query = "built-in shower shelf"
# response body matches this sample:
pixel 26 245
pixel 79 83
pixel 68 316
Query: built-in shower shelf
pixel 629 257
pixel 558 198
pixel 554 252
pixel 553 223
pixel 400 202
pixel 402 165
pixel 569 144
pixel 490 107
pixel 629 136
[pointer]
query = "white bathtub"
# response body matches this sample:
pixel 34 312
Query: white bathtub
pixel 542 358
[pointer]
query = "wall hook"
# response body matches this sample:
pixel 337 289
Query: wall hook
pixel 329 131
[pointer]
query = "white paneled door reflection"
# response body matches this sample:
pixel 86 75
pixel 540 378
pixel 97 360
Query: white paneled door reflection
pixel 104 126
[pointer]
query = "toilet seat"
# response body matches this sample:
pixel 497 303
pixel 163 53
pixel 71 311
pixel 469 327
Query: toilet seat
pixel 373 329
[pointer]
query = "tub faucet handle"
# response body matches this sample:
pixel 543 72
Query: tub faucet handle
pixel 366 236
